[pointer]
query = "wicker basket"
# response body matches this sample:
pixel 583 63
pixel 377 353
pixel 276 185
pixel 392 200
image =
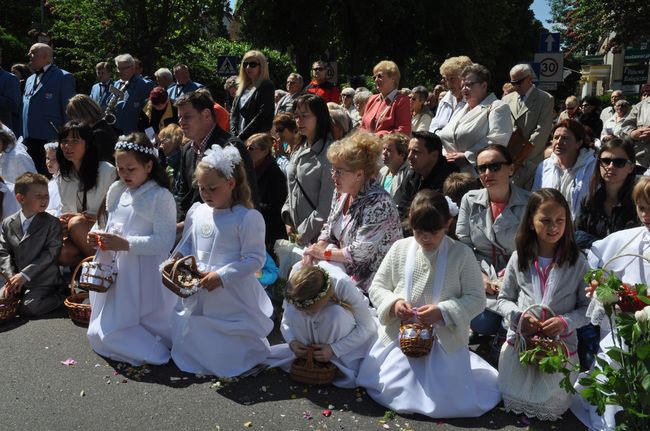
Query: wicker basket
pixel 77 310
pixel 182 277
pixel 312 372
pixel 8 306
pixel 96 276
pixel 546 344
pixel 416 339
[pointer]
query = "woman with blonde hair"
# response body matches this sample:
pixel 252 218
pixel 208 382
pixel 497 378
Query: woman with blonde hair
pixel 389 111
pixel 363 222
pixel 254 105
pixel 84 109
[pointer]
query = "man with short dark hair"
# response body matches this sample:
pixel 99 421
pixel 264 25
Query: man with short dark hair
pixel 183 84
pixel 100 92
pixel 532 113
pixel 46 97
pixel 428 169
pixel 198 121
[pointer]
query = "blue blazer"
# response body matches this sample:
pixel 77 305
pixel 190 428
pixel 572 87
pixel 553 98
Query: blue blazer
pixel 127 110
pixel 45 101
pixel 100 94
pixel 175 91
pixel 9 100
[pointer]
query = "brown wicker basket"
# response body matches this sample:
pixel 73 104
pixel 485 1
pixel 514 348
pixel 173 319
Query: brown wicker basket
pixel 312 372
pixel 416 339
pixel 546 344
pixel 9 305
pixel 77 310
pixel 96 282
pixel 181 277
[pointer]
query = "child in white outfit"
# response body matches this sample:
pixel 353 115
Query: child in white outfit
pixel 221 330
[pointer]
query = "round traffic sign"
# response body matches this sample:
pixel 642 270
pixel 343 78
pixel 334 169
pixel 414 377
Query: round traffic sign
pixel 548 67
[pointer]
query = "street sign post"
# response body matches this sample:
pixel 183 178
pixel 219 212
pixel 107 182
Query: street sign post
pixel 550 66
pixel 549 42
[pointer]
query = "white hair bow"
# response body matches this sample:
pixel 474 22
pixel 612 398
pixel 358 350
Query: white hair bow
pixel 453 208
pixel 223 159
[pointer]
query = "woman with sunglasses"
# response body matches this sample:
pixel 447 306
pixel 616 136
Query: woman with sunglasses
pixel 572 111
pixel 608 207
pixel 286 138
pixel 389 111
pixel 363 222
pixel 254 104
pixel 570 166
pixel 484 120
pixel 488 222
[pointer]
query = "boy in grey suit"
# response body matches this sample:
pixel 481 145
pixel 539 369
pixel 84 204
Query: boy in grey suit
pixel 30 243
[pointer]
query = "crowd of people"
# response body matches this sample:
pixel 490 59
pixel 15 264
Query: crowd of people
pixel 400 206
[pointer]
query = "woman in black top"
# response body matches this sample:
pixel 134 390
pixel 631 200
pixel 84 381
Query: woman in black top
pixel 608 207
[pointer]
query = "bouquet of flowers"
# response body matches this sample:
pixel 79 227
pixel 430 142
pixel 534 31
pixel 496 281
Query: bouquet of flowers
pixel 624 379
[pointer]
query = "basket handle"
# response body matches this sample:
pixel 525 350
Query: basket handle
pixel 625 255
pixel 309 364
pixel 76 271
pixel 179 261
pixel 6 279
pixel 530 308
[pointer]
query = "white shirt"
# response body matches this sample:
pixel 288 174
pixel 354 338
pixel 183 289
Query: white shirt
pixel 25 222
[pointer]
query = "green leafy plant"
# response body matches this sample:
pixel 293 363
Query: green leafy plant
pixel 625 381
pixel 551 358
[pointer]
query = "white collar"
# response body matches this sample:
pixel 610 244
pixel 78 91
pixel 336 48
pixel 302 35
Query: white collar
pixel 527 95
pixel 23 219
pixel 390 96
pixel 47 66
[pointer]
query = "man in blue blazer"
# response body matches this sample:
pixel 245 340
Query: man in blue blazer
pixel 47 93
pixel 136 92
pixel 100 91
pixel 183 84
pixel 9 99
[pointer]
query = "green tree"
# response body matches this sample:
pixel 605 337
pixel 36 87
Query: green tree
pixel 586 23
pixel 16 32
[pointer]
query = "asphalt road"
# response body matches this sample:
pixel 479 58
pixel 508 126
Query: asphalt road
pixel 38 392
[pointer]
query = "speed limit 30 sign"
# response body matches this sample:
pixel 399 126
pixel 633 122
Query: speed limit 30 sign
pixel 550 66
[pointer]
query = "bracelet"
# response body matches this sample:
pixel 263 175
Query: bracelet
pixel 327 254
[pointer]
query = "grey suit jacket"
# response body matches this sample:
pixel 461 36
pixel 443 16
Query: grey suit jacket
pixel 36 253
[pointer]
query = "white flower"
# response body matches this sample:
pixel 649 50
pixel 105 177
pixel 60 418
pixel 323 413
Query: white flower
pixel 643 315
pixel 223 159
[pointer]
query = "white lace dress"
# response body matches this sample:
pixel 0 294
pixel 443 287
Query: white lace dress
pixel 131 322
pixel 223 332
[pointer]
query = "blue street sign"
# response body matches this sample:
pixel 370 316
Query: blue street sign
pixel 549 42
pixel 227 65
pixel 535 67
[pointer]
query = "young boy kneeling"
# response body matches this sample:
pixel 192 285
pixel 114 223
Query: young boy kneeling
pixel 30 243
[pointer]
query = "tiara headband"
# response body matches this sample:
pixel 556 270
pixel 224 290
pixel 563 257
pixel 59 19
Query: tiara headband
pixel 51 146
pixel 223 160
pixel 122 144
pixel 306 303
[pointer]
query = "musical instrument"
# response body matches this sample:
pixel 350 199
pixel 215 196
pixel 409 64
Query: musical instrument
pixel 117 95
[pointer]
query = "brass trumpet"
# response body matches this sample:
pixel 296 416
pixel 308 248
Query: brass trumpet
pixel 117 95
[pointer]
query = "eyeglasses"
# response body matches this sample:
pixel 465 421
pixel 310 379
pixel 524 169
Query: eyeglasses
pixel 378 76
pixel 337 172
pixel 618 163
pixel 251 64
pixel 518 81
pixel 493 167
pixel 469 84
pixel 318 69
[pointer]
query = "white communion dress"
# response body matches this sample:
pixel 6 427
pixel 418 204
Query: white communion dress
pixel 131 322
pixel 350 333
pixel 450 381
pixel 223 332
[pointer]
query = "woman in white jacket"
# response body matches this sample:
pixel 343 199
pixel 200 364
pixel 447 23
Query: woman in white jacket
pixel 484 120
pixel 570 167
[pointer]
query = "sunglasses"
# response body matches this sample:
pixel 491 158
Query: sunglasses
pixel 519 81
pixel 618 163
pixel 251 64
pixel 493 167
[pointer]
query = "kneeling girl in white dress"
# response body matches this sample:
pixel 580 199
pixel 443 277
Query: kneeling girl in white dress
pixel 325 311
pixel 547 269
pixel 434 280
pixel 131 322
pixel 221 329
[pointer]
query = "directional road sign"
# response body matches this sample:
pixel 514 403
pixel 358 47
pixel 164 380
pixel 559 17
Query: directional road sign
pixel 549 42
pixel 550 66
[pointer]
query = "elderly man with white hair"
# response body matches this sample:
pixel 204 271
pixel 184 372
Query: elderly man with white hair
pixel 294 89
pixel 532 114
pixel 164 77
pixel 46 96
pixel 136 92
pixel 183 84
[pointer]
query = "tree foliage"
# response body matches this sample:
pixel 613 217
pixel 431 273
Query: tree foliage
pixel 586 23
pixel 16 17
pixel 417 34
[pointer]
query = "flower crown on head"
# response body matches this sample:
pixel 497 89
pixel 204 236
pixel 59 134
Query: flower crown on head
pixel 223 160
pixel 123 144
pixel 305 303
pixel 51 146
